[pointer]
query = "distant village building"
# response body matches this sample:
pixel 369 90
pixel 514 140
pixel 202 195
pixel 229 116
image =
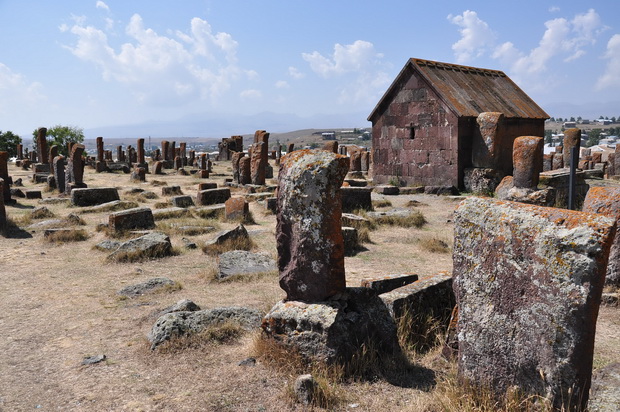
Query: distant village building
pixel 569 125
pixel 425 129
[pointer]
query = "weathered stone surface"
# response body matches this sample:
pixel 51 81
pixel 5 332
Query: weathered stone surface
pixel 42 145
pixel 93 196
pixel 147 286
pixel 547 162
pixel 171 191
pixel 308 234
pixel 245 171
pixel 605 392
pixel 306 389
pixel 527 160
pixel 241 262
pixel 572 138
pixel 3 220
pixel 350 238
pixel 170 213
pixel 430 296
pixel 178 324
pixel 258 162
pixel 236 157
pixel 486 147
pixel 4 175
pixel 112 206
pixel 333 330
pixel 606 201
pixel 108 245
pixel 527 311
pixel 184 305
pixel 239 232
pixel 441 190
pixel 387 190
pixel 213 196
pixel 182 201
pixel 388 283
pixel 74 177
pixel 137 218
pixel 349 219
pixel 151 245
pixel 558 180
pixel 33 194
pixel 507 191
pixel 482 181
pixel 206 186
pixel 354 198
pixel 236 208
pixel 210 212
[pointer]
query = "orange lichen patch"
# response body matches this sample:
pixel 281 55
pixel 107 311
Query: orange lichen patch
pixel 603 200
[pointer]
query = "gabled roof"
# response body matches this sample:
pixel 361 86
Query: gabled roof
pixel 469 91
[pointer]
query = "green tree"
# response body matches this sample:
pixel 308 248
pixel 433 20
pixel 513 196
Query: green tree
pixel 9 142
pixel 594 136
pixel 548 137
pixel 61 135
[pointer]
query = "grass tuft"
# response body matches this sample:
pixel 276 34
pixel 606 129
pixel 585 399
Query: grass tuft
pixel 420 334
pixel 241 243
pixel 245 277
pixel 416 220
pixel 222 333
pixel 381 203
pixel 63 236
pixel 141 255
pixel 434 245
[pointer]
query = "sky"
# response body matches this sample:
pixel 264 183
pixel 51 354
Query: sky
pixel 96 63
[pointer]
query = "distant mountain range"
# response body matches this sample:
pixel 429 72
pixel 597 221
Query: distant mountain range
pixel 217 125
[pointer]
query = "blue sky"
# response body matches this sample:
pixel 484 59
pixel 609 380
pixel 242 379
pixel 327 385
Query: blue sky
pixel 105 63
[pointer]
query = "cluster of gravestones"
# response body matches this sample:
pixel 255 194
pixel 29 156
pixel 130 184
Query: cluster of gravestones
pixel 526 313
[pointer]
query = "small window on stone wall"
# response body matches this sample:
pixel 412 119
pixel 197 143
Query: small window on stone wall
pixel 411 132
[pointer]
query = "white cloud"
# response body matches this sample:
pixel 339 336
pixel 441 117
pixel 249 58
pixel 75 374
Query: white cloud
pixel 360 66
pixel 348 58
pixel 295 73
pixel 476 36
pixel 250 94
pixel 282 84
pixel 17 92
pixel 611 77
pixel 102 5
pixel 162 69
pixel 554 9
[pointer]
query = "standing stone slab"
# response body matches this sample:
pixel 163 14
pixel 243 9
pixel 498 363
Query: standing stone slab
pixel 486 147
pixel 527 159
pixel 572 138
pixel 309 238
pixel 4 174
pixel 58 166
pixel 212 196
pixel 606 201
pixel 137 218
pixel 42 145
pixel 527 311
pixel 2 209
pixel 75 169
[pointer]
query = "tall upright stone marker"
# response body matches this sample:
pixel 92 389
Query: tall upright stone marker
pixel 309 238
pixel 528 282
pixel 42 145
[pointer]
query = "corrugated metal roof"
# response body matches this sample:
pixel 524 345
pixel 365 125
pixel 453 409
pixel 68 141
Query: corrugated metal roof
pixel 470 91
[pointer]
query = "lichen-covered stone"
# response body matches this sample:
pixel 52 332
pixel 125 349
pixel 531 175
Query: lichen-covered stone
pixel 486 148
pixel 137 218
pixel 606 201
pixel 309 237
pixel 93 196
pixel 528 283
pixel 527 160
pixel 572 138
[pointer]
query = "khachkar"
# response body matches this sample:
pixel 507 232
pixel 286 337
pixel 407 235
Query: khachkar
pixel 141 160
pixel 75 169
pixel 100 164
pixel 4 174
pixel 259 157
pixel 309 236
pixel 315 318
pixel 42 145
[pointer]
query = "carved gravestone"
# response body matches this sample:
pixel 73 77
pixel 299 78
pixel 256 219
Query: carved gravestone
pixel 236 157
pixel 2 209
pixel 486 152
pixel 75 169
pixel 245 173
pixel 58 167
pixel 4 174
pixel 309 239
pixel 572 138
pixel 527 311
pixel 527 160
pixel 42 145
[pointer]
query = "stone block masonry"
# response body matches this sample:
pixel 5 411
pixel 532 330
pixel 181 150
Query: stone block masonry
pixel 528 310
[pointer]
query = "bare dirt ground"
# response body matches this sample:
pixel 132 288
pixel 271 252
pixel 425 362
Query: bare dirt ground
pixel 59 304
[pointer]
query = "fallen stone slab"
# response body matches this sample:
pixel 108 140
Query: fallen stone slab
pixel 93 196
pixel 441 190
pixel 183 305
pixel 112 206
pixel 108 245
pixel 351 220
pixel 137 218
pixel 528 310
pixel 387 283
pixel 149 246
pixel 171 191
pixel 182 201
pixel 350 238
pixel 237 234
pixel 178 324
pixel 213 196
pixel 387 190
pixel 241 262
pixel 354 198
pixel 211 212
pixel 333 331
pixel 33 194
pixel 54 200
pixel 429 296
pixel 147 286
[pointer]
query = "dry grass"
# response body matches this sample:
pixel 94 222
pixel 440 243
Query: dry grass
pixel 63 236
pixel 142 256
pixel 162 205
pixel 241 243
pixel 41 213
pixel 246 219
pixel 246 277
pixel 415 219
pixel 420 334
pixel 434 245
pixel 376 204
